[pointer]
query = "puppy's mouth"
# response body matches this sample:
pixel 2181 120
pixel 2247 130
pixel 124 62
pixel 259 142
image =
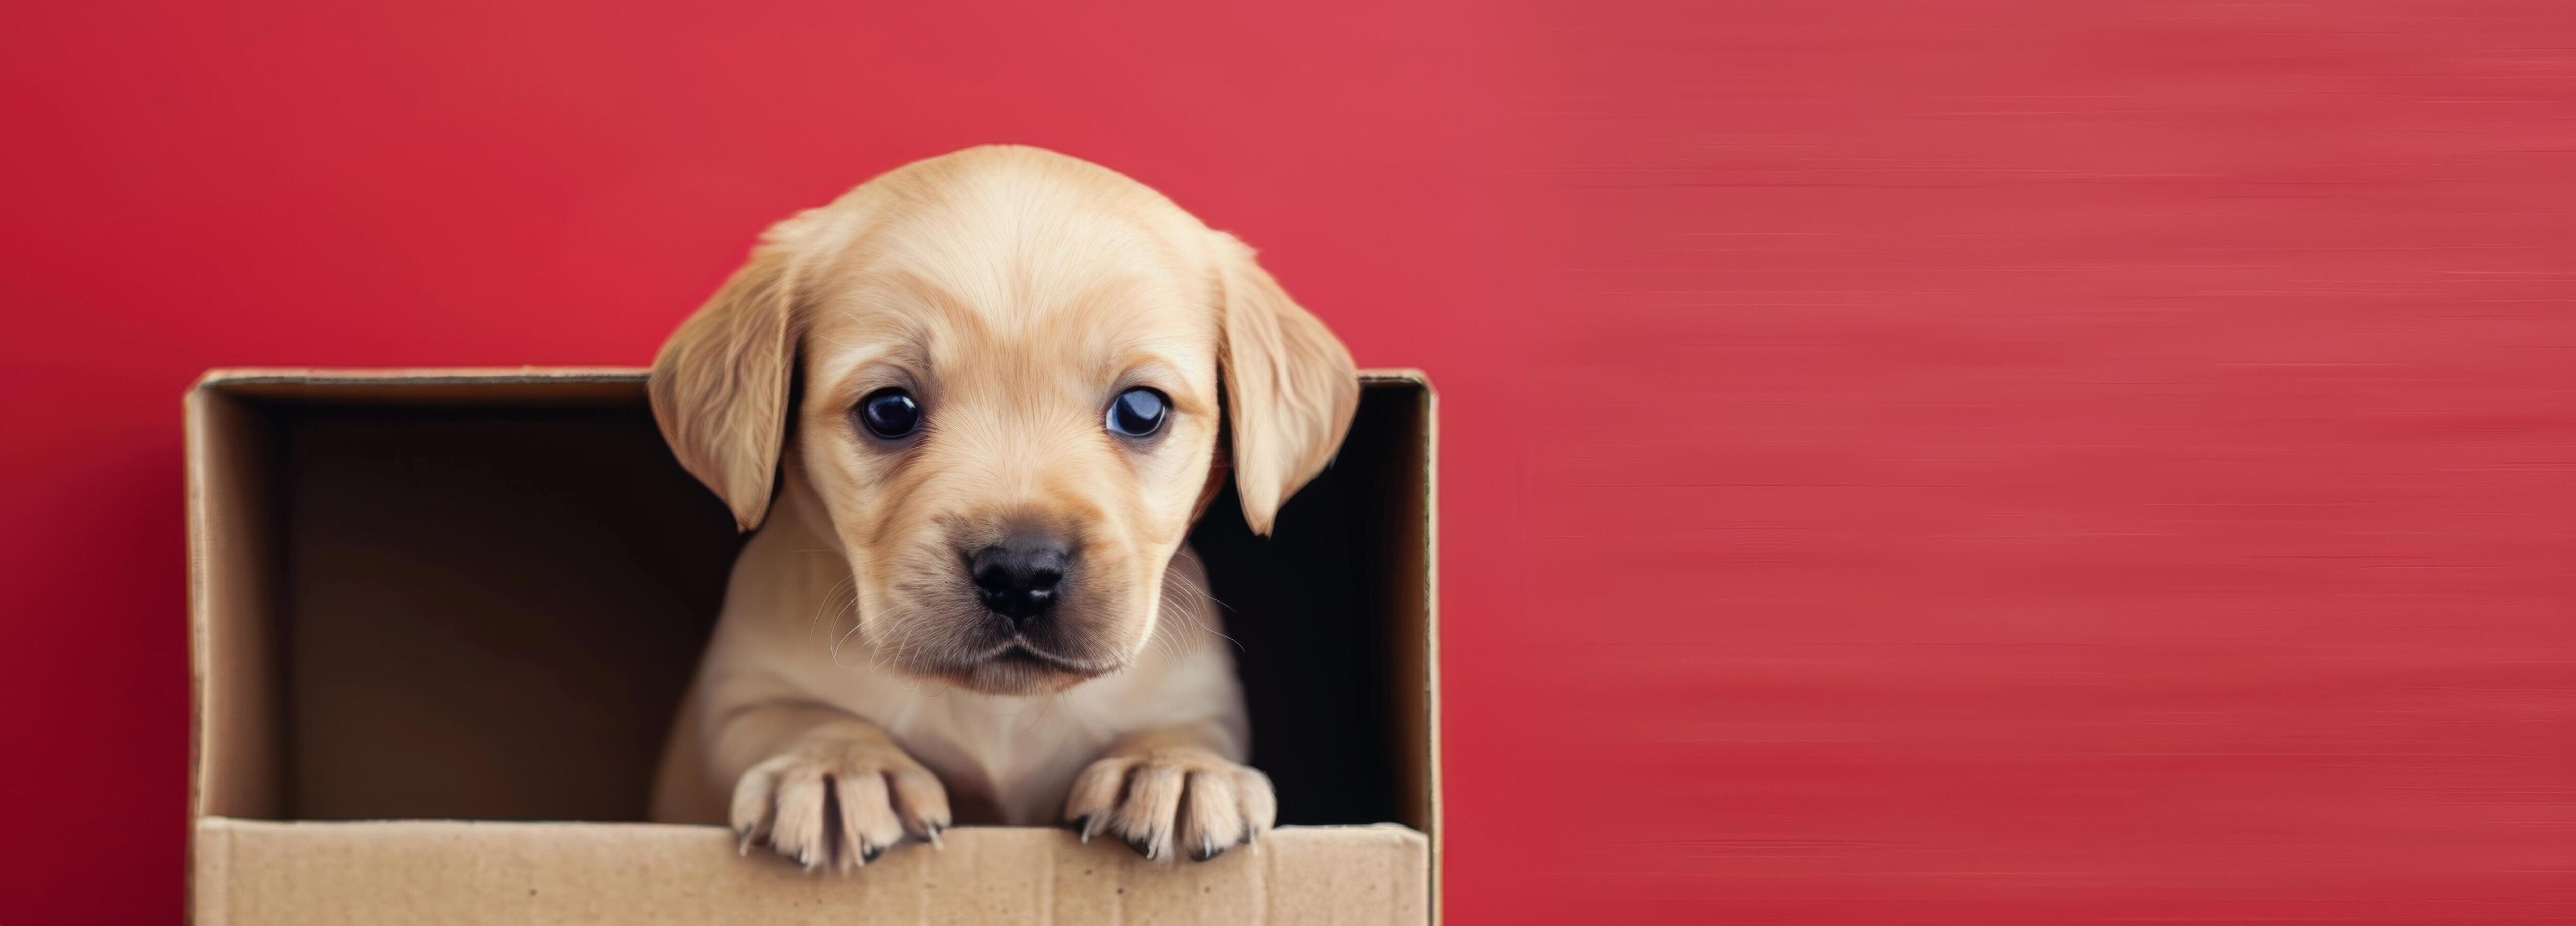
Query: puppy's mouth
pixel 1023 655
pixel 1021 668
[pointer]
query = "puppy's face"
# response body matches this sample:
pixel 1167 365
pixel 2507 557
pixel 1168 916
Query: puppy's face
pixel 1010 367
pixel 1010 428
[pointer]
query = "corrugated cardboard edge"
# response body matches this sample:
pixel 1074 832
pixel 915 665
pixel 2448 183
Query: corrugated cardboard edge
pixel 253 377
pixel 1430 609
pixel 192 455
pixel 222 510
pixel 425 385
pixel 1431 621
pixel 419 872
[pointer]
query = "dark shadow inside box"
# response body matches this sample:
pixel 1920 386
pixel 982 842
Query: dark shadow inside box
pixel 492 611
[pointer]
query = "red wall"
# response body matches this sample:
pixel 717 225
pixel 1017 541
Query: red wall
pixel 1953 462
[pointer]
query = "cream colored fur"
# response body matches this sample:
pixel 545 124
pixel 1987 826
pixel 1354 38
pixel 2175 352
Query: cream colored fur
pixel 852 697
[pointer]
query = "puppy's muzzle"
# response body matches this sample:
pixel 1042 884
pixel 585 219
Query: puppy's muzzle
pixel 1022 577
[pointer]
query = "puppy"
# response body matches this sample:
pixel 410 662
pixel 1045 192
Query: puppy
pixel 973 407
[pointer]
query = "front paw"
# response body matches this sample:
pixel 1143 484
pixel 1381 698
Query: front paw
pixel 1157 798
pixel 838 804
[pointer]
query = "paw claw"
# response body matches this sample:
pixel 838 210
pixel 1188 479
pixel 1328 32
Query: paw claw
pixel 836 804
pixel 1170 802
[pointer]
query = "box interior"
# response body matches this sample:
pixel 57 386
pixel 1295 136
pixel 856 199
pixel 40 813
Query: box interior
pixel 482 597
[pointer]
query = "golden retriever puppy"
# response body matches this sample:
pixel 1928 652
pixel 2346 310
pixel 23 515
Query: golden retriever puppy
pixel 973 407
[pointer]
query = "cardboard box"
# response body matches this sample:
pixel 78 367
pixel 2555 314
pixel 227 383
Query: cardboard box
pixel 441 620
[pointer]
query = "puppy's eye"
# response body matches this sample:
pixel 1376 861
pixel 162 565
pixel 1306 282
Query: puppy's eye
pixel 889 413
pixel 1138 412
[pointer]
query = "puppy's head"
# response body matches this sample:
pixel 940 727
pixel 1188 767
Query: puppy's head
pixel 1004 374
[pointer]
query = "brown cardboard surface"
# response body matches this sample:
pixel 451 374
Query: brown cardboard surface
pixel 450 595
pixel 235 742
pixel 254 873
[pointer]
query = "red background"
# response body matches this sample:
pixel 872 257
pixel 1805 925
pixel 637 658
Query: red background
pixel 1964 462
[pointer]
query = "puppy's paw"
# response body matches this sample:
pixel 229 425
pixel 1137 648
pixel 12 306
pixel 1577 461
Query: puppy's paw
pixel 1181 796
pixel 838 804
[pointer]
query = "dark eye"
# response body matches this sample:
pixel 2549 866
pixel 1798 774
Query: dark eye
pixel 889 413
pixel 1138 412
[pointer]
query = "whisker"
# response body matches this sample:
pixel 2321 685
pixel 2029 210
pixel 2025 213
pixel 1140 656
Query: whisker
pixel 1175 582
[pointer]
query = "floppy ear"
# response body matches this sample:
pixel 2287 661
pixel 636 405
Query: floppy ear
pixel 720 384
pixel 1290 386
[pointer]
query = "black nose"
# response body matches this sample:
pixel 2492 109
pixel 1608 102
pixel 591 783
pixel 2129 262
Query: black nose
pixel 1019 577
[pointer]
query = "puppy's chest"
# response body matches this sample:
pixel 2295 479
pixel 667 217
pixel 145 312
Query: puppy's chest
pixel 1011 758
